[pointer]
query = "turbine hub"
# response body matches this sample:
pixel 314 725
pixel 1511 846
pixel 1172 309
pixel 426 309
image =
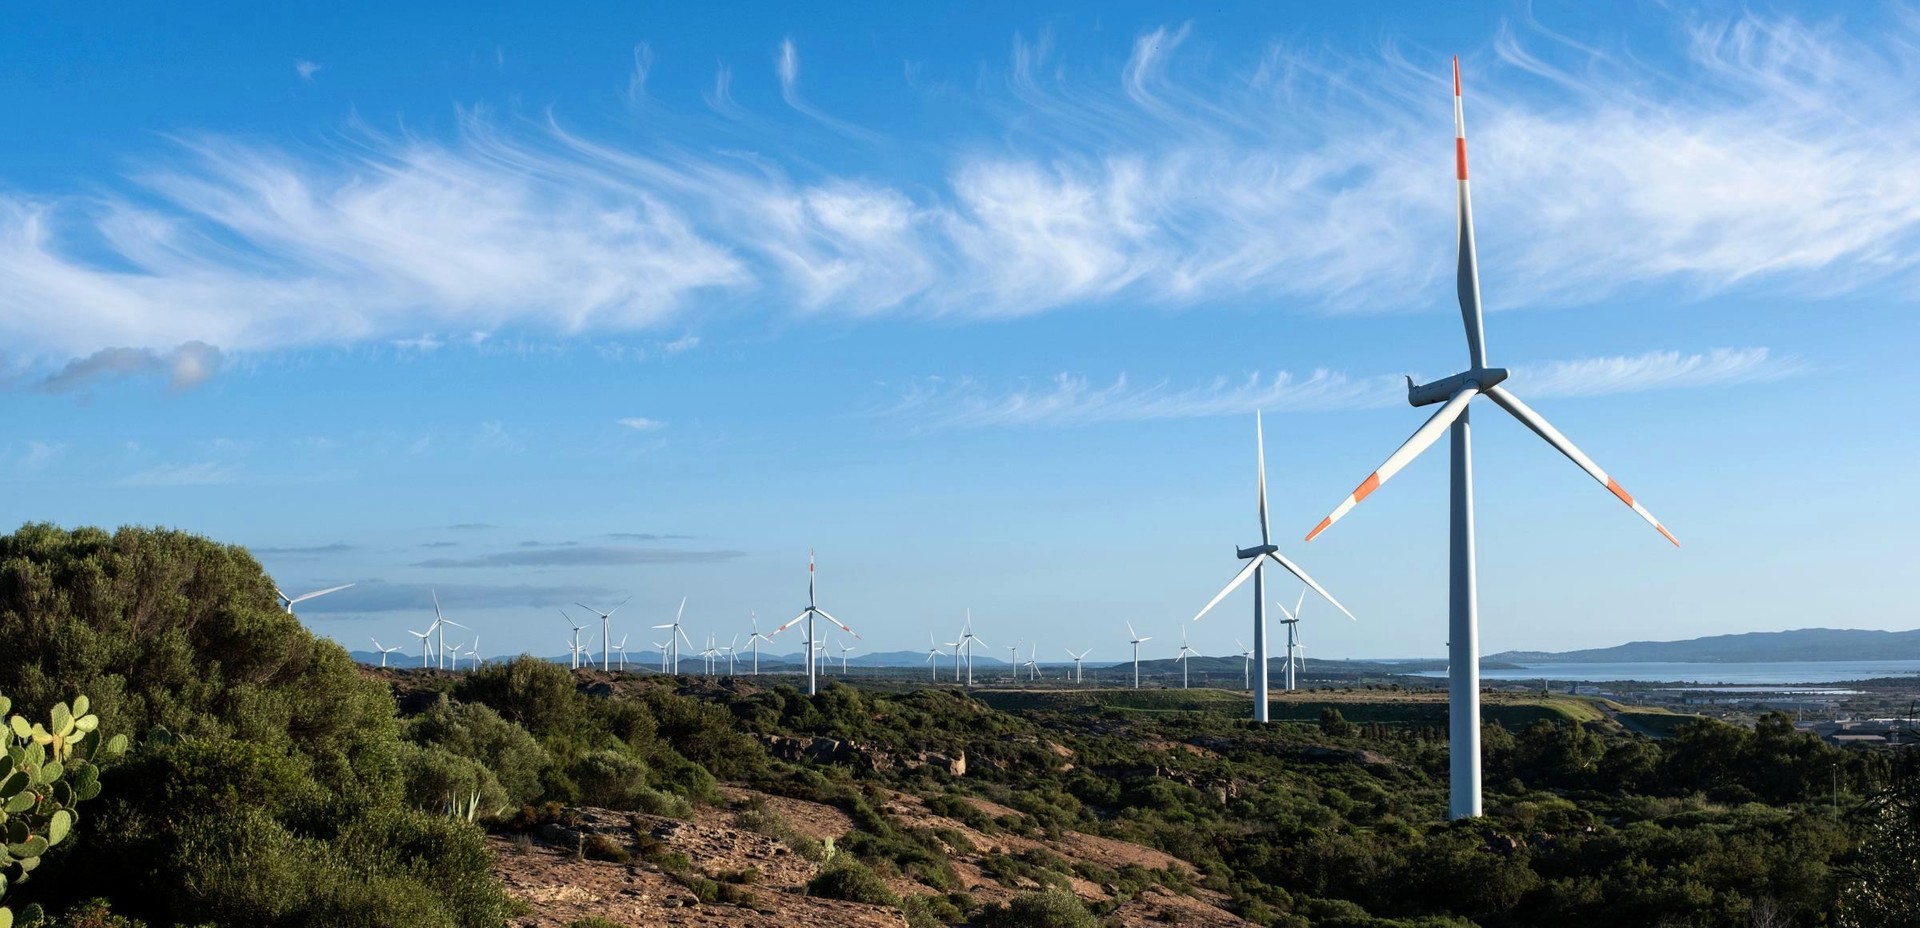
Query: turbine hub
pixel 1442 390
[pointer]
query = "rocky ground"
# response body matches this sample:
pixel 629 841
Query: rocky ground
pixel 763 879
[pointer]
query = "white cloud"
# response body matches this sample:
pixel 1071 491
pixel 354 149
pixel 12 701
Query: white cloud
pixel 307 69
pixel 1071 400
pixel 204 473
pixel 640 424
pixel 1772 153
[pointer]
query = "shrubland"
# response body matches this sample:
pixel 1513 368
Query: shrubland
pixel 272 782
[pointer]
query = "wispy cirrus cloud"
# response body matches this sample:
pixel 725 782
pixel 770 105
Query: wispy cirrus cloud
pixel 1073 400
pixel 1770 151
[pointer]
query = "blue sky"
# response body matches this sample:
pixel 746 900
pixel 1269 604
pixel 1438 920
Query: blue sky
pixel 530 306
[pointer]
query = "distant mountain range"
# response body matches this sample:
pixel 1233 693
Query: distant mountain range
pixel 1805 644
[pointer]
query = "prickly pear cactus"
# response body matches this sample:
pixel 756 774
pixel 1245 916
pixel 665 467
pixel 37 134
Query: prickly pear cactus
pixel 46 771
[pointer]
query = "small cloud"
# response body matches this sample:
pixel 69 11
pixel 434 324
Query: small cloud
pixel 335 548
pixel 307 69
pixel 205 473
pixel 439 544
pixel 40 454
pixel 584 555
pixel 547 544
pixel 422 344
pixel 471 526
pixel 185 367
pixel 682 344
pixel 641 424
pixel 646 536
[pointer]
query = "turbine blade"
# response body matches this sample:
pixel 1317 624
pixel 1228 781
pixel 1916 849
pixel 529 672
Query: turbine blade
pixel 1260 459
pixel 1234 584
pixel 1423 438
pixel 790 624
pixel 1545 429
pixel 843 625
pixel 306 596
pixel 1295 570
pixel 1469 270
pixel 1130 632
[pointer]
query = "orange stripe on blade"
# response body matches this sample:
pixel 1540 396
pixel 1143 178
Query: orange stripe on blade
pixel 1663 531
pixel 1456 75
pixel 1460 148
pixel 1367 486
pixel 1320 528
pixel 1617 491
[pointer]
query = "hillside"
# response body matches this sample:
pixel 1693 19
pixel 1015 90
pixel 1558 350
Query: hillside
pixel 1805 644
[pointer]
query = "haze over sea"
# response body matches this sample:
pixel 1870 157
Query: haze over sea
pixel 1782 672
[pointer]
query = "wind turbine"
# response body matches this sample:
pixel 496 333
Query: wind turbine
pixel 664 646
pixel 1136 653
pixel 1077 658
pixel 933 659
pixel 573 652
pixel 1013 663
pixel 1294 647
pixel 1032 665
pixel 1257 558
pixel 813 609
pixel 383 651
pixel 426 643
pixel 967 640
pixel 732 653
pixel 473 651
pixel 621 649
pixel 1455 393
pixel 1246 665
pixel 288 601
pixel 576 637
pixel 1182 659
pixel 440 623
pixel 675 635
pixel 606 630
pixel 845 649
pixel 753 641
pixel 707 653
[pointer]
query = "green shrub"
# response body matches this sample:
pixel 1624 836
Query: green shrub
pixel 849 879
pixel 601 847
pixel 440 781
pixel 1055 908
pixel 477 732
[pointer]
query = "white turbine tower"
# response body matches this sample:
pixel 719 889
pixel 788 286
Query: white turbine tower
pixel 707 654
pixel 675 635
pixel 621 649
pixel 732 652
pixel 606 630
pixel 577 627
pixel 933 659
pixel 288 601
pixel 1257 558
pixel 966 643
pixel 440 623
pixel 1182 659
pixel 1246 665
pixel 1455 393
pixel 1013 664
pixel 1033 664
pixel 1136 640
pixel 1294 647
pixel 426 643
pixel 1077 658
pixel 845 649
pixel 813 644
pixel 664 646
pixel 753 641
pixel 383 651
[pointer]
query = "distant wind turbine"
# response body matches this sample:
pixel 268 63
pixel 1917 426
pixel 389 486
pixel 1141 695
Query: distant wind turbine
pixel 753 641
pixel 383 651
pixel 732 655
pixel 675 635
pixel 1013 663
pixel 576 637
pixel 621 649
pixel 1077 658
pixel 288 601
pixel 1292 621
pixel 1257 558
pixel 1182 659
pixel 845 649
pixel 813 644
pixel 426 643
pixel 1033 665
pixel 967 640
pixel 606 630
pixel 1246 664
pixel 1136 640
pixel 933 658
pixel 1455 393
pixel 440 623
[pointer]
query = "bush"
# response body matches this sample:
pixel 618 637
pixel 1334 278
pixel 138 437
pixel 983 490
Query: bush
pixel 1055 908
pixel 445 783
pixel 849 879
pixel 477 732
pixel 601 847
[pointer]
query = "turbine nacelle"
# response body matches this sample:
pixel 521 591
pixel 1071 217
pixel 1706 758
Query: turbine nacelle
pixel 1255 551
pixel 1442 390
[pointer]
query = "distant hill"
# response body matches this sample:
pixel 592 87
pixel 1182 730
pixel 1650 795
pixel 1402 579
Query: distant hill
pixel 1805 644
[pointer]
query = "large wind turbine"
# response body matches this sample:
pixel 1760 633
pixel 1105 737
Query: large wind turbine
pixel 288 601
pixel 1257 558
pixel 1077 658
pixel 675 635
pixel 753 641
pixel 1455 393
pixel 440 623
pixel 1136 653
pixel 606 630
pixel 813 609
pixel 967 640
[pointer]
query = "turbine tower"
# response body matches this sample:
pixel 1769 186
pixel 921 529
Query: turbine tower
pixel 675 635
pixel 1077 658
pixel 753 641
pixel 1257 558
pixel 1455 393
pixel 439 625
pixel 1136 653
pixel 384 652
pixel 813 609
pixel 967 640
pixel 1246 665
pixel 1182 659
pixel 576 637
pixel 1294 647
pixel 606 630
pixel 288 601
pixel 933 657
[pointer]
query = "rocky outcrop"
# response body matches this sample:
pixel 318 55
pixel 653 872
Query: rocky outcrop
pixel 823 750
